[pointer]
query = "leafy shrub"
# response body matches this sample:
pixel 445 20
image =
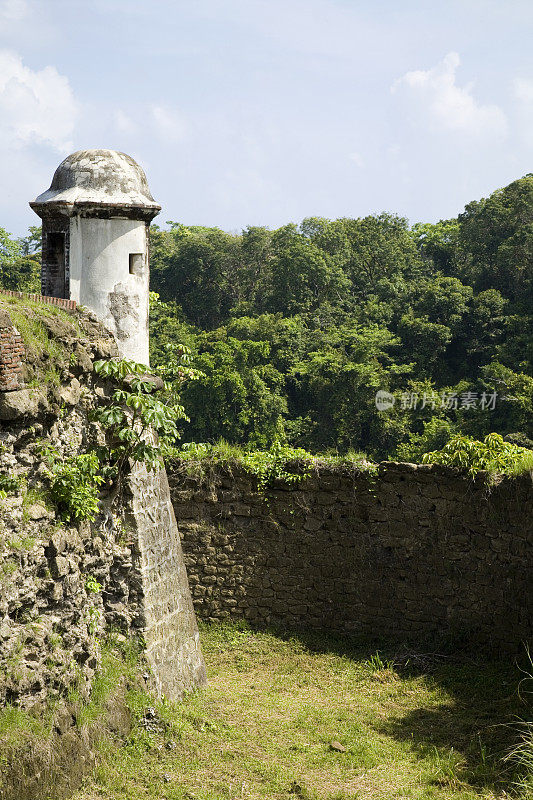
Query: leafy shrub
pixel 493 455
pixel 9 484
pixel 270 465
pixel 134 413
pixel 74 487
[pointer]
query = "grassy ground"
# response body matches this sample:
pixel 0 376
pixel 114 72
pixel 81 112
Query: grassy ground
pixel 263 728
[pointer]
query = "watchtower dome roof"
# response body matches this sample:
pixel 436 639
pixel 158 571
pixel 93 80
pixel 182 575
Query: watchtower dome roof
pixel 92 178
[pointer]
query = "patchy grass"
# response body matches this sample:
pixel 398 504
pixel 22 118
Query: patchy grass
pixel 200 462
pixel 523 466
pixel 411 727
pixel 21 542
pixel 40 325
pixel 17 724
pixel 521 755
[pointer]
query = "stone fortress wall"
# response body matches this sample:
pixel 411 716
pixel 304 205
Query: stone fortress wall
pixel 415 553
pixel 49 619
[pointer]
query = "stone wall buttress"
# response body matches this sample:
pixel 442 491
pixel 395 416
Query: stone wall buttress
pixel 168 619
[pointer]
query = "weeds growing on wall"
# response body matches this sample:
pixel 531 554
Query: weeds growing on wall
pixel 270 466
pixel 9 484
pixel 75 487
pixel 36 322
pixel 280 463
pixel 266 466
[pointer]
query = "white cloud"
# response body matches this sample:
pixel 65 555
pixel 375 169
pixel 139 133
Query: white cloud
pixel 35 106
pixel 13 10
pixel 523 90
pixel 523 95
pixel 246 183
pixel 169 126
pixel 357 159
pixel 449 106
pixel 124 123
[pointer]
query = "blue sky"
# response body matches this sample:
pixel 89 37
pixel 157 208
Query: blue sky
pixel 261 112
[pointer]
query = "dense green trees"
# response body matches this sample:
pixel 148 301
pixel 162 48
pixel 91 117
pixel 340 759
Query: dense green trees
pixel 296 329
pixel 496 237
pixel 19 261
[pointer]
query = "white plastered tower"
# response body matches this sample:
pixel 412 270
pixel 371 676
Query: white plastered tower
pixel 95 216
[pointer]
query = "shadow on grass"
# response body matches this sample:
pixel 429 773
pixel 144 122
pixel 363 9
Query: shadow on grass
pixel 467 736
pixel 477 723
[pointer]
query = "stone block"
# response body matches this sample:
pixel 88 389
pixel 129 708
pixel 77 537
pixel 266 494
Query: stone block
pixel 24 404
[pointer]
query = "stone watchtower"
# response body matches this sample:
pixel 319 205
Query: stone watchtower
pixel 95 217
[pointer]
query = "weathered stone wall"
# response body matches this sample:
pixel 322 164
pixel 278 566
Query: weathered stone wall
pixel 62 584
pixel 414 553
pixel 49 619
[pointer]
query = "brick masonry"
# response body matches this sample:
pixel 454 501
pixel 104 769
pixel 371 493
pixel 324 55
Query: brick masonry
pixel 416 553
pixel 12 354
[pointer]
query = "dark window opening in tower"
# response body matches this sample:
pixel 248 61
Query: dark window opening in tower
pixel 55 283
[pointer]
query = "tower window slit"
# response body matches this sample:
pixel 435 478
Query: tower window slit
pixel 136 263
